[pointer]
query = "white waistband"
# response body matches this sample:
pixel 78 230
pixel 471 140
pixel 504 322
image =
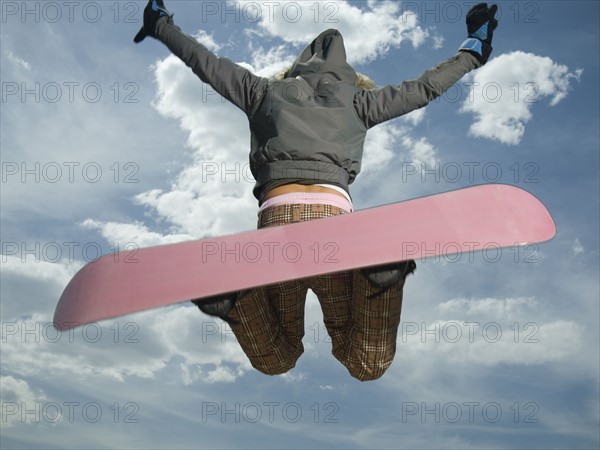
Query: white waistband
pixel 338 189
pixel 310 198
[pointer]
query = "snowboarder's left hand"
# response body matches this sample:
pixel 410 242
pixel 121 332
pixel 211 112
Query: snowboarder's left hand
pixel 480 26
pixel 155 9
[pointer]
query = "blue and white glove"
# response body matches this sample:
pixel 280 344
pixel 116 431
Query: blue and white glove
pixel 480 26
pixel 155 9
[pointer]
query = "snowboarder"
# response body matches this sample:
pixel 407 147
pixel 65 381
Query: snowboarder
pixel 308 127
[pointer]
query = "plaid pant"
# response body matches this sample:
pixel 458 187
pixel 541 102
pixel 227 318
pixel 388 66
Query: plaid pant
pixel 361 319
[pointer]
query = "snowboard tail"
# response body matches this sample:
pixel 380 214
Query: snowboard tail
pixel 468 219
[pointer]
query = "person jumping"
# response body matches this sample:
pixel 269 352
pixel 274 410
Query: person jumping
pixel 308 127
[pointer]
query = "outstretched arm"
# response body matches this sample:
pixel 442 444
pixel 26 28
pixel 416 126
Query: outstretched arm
pixel 379 105
pixel 235 83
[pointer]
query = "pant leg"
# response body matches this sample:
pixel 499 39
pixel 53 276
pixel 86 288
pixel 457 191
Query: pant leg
pixel 334 292
pixel 373 332
pixel 362 319
pixel 269 322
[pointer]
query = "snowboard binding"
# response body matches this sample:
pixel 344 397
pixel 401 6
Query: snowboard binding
pixel 389 275
pixel 219 305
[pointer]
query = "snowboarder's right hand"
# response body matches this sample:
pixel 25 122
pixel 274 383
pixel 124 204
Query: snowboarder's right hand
pixel 155 9
pixel 480 26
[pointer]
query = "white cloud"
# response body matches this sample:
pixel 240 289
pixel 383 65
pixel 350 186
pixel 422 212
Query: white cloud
pixel 294 377
pixel 17 396
pixel 58 273
pixel 204 342
pixel 495 344
pixel 491 332
pixel 220 375
pixel 414 117
pixel 141 345
pixel 386 25
pixel 577 248
pixel 505 309
pixel 19 62
pixel 388 141
pixel 207 40
pixel 270 61
pixel 420 151
pixel 380 147
pixel 505 90
pixel 438 41
pixel 132 235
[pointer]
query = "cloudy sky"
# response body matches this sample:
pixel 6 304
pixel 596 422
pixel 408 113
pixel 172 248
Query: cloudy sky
pixel 108 145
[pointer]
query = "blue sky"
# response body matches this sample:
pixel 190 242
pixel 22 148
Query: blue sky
pixel 106 144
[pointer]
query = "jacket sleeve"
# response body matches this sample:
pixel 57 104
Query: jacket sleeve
pixel 235 83
pixel 379 105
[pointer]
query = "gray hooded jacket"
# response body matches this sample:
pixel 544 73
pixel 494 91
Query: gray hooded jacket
pixel 310 127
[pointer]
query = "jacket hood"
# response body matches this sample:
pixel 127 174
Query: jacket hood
pixel 326 54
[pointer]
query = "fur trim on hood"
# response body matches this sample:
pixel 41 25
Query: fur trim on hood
pixel 362 81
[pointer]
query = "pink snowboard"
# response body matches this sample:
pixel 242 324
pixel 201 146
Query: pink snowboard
pixel 463 220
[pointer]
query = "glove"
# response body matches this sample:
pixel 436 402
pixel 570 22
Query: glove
pixel 480 26
pixel 155 9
